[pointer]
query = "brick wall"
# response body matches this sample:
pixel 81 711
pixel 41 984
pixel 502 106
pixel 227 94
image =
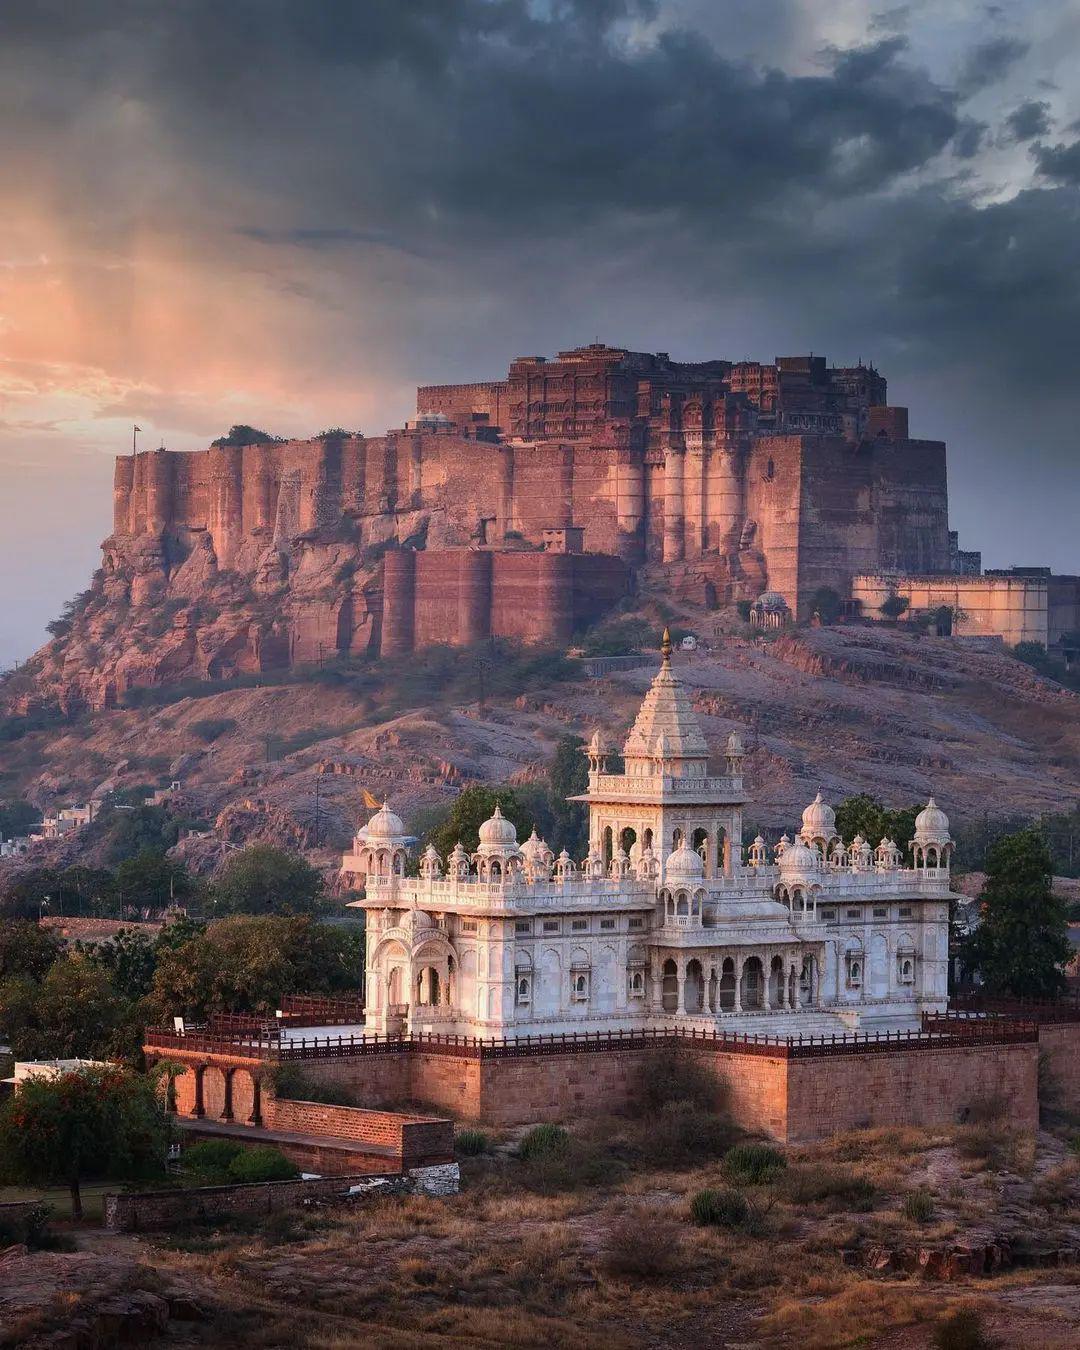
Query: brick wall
pixel 414 1138
pixel 147 1210
pixel 1059 1042
pixel 910 1087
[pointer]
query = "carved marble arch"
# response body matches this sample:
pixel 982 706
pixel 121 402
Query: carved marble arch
pixel 670 986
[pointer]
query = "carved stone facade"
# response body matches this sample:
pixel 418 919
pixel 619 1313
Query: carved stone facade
pixel 665 919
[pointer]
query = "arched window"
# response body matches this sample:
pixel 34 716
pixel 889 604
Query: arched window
pixel 770 471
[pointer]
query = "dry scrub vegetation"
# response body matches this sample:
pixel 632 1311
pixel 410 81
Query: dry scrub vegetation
pixel 601 1238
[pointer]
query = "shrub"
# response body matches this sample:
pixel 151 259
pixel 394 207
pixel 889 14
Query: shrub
pixel 961 1330
pixel 471 1142
pixel 811 1185
pixel 919 1205
pixel 675 1078
pixel 208 1161
pixel 211 728
pixel 292 1083
pixel 30 1228
pixel 544 1141
pixel 682 1132
pixel 720 1209
pixel 753 1164
pixel 642 1244
pixel 262 1164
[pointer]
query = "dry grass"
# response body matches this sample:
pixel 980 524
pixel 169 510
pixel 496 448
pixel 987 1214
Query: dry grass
pixel 613 1265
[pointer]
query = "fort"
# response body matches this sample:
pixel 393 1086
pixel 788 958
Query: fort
pixel 525 508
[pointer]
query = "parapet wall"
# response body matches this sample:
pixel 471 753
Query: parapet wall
pixel 792 1093
pixel 1013 608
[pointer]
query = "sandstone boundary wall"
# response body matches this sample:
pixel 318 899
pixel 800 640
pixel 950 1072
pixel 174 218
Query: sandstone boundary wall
pixel 143 1211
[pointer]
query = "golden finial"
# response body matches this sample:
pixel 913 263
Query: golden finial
pixel 665 647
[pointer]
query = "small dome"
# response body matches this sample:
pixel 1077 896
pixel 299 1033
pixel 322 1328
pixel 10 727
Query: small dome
pixel 735 744
pixel 819 820
pixel 684 864
pixel 534 849
pixel 498 832
pixel 798 859
pixel 759 841
pixel 932 825
pixel 772 601
pixel 384 825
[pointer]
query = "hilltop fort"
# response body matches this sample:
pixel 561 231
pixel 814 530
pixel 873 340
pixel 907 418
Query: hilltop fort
pixel 523 507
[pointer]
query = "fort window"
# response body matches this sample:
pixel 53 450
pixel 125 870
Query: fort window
pixel 581 986
pixel 551 925
pixel 579 925
pixel 525 927
pixel 881 913
pixel 906 911
pixel 828 915
pixel 906 968
pixel 770 472
pixel 468 925
pixel 854 972
pixel 636 923
pixel 607 924
pixel 524 989
pixel 854 913
pixel 637 984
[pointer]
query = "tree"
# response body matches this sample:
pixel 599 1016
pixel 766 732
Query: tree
pixel 246 963
pixel 72 1013
pixel 469 811
pixel 1021 944
pixel 893 606
pixel 16 817
pixel 129 959
pixel 126 833
pixel 266 880
pixel 26 949
pixel 568 776
pixel 100 1122
pixel 152 880
pixel 865 815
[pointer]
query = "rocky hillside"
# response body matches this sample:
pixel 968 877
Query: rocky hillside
pixel 850 709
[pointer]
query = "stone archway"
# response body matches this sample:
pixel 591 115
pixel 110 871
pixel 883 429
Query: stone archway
pixel 670 986
pixel 752 985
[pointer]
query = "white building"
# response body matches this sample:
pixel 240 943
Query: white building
pixel 665 919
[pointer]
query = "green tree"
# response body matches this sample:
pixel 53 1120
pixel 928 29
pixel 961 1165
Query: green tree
pixel 568 776
pixel 26 950
pixel 16 817
pixel 97 1123
pixel 865 815
pixel 129 959
pixel 470 809
pixel 266 880
pixel 152 880
pixel 73 1012
pixel 1021 944
pixel 123 834
pixel 246 963
pixel 893 606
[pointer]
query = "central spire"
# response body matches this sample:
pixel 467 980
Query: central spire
pixel 666 716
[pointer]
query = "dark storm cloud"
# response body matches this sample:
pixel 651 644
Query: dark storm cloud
pixel 1061 163
pixel 1027 122
pixel 989 62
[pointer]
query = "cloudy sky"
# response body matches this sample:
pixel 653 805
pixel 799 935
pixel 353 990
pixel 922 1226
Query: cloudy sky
pixel 291 214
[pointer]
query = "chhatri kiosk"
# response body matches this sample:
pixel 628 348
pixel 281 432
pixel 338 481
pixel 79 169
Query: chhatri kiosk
pixel 666 921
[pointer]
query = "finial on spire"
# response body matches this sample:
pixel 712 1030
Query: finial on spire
pixel 665 647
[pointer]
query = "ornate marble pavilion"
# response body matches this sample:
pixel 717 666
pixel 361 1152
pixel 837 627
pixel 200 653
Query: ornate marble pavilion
pixel 665 919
